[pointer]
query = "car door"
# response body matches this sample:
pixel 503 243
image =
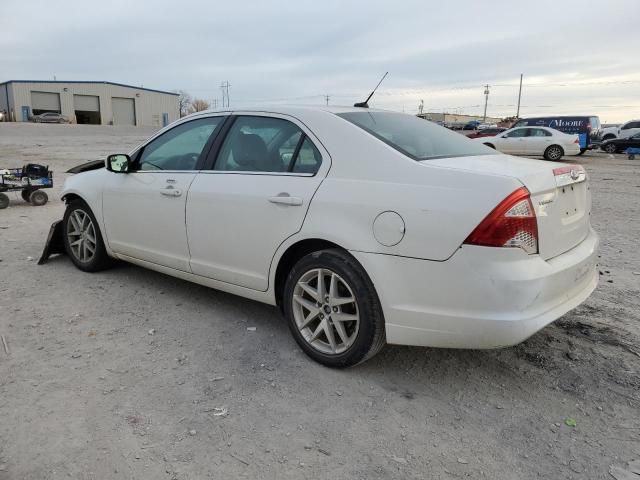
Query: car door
pixel 537 141
pixel 144 209
pixel 513 141
pixel 254 196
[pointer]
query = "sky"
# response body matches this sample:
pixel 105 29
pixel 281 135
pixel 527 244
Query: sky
pixel 577 57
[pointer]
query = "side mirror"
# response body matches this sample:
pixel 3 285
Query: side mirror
pixel 118 163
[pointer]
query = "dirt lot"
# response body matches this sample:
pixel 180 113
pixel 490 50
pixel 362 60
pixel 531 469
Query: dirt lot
pixel 129 374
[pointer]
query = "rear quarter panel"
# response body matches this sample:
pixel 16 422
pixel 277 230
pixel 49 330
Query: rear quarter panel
pixel 440 206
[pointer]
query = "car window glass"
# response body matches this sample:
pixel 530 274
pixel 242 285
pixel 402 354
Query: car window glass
pixel 414 137
pixel 520 132
pixel 258 144
pixel 308 159
pixel 538 132
pixel 180 147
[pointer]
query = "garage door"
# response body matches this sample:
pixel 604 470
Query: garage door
pixel 86 103
pixel 42 102
pixel 124 111
pixel 87 109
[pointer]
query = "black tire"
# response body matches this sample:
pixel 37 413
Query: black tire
pixel 582 150
pixel 4 201
pixel 490 145
pixel 100 260
pixel 38 198
pixel 610 148
pixel 25 195
pixel 553 153
pixel 370 336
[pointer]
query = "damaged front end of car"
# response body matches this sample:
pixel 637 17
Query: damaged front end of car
pixel 55 242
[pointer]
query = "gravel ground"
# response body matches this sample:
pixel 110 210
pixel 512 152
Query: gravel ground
pixel 130 374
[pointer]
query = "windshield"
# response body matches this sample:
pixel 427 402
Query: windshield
pixel 416 138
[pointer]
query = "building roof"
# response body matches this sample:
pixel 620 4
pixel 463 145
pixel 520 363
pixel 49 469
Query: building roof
pixel 89 81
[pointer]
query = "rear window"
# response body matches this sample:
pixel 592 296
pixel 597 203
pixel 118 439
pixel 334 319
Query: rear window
pixel 416 138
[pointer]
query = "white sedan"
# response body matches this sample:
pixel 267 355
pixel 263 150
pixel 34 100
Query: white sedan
pixel 365 227
pixel 539 141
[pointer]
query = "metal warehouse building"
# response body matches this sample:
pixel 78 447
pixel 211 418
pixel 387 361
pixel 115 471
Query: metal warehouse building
pixel 98 103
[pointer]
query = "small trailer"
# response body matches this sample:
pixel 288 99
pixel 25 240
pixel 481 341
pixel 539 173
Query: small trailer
pixel 29 181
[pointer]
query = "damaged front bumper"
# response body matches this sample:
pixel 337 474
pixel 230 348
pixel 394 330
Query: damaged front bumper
pixel 55 242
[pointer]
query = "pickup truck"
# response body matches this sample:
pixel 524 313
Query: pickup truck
pixel 622 131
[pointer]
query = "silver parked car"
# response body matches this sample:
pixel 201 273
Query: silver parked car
pixel 50 117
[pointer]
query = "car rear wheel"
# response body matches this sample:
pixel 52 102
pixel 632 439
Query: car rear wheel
pixel 553 153
pixel 610 148
pixel 333 310
pixel 82 239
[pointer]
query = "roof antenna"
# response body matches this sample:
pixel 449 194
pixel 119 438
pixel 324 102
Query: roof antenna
pixel 365 104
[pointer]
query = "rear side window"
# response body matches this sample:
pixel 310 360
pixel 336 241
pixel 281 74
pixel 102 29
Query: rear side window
pixel 631 125
pixel 267 144
pixel 414 137
pixel 538 132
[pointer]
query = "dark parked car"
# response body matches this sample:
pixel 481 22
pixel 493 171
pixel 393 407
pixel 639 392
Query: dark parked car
pixel 618 145
pixel 50 117
pixel 487 132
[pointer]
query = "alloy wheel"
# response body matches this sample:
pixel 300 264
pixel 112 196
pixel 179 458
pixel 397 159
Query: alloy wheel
pixel 611 148
pixel 81 235
pixel 555 153
pixel 325 311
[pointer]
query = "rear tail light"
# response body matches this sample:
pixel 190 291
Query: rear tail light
pixel 511 224
pixel 577 140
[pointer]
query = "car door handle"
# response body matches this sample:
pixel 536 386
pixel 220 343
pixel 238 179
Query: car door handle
pixel 170 191
pixel 286 199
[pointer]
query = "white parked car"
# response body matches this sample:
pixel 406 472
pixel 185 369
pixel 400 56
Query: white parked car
pixel 542 141
pixel 626 130
pixel 363 226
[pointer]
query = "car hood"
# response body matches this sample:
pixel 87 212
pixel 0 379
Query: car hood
pixel 85 167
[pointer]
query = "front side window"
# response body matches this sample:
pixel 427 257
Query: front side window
pixel 266 144
pixel 180 147
pixel 518 133
pixel 414 137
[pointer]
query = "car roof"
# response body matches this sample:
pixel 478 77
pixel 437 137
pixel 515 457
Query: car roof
pixel 294 110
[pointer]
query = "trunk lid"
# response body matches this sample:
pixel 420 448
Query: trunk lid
pixel 559 192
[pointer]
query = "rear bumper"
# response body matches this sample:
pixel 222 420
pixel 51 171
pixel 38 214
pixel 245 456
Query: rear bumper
pixel 572 149
pixel 481 297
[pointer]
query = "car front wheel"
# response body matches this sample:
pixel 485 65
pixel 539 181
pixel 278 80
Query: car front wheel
pixel 610 148
pixel 82 239
pixel 554 152
pixel 333 310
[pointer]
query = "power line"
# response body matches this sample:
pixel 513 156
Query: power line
pixel 224 86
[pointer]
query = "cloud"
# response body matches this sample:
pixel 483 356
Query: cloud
pixel 298 51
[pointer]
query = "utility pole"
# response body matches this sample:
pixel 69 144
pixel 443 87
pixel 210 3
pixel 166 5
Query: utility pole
pixel 224 86
pixel 214 103
pixel 326 98
pixel 486 101
pixel 519 96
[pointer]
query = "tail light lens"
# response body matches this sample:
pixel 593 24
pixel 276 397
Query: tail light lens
pixel 577 140
pixel 511 224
